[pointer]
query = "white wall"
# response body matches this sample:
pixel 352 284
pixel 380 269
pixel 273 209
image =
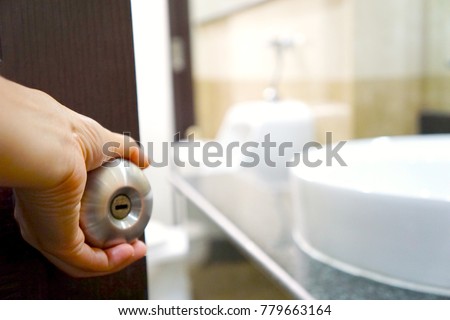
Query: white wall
pixel 389 39
pixel 206 10
pixel 241 42
pixel 154 92
pixel 437 58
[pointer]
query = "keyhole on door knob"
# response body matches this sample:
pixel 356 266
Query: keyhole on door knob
pixel 120 206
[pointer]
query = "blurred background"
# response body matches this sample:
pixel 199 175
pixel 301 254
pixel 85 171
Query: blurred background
pixel 386 61
pixel 383 65
pixel 365 68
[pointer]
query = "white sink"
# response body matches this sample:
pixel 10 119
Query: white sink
pixel 385 216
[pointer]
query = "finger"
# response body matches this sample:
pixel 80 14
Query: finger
pixel 119 256
pixel 122 146
pixel 95 262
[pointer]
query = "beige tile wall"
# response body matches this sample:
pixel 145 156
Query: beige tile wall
pixel 387 106
pixel 388 66
pixel 437 56
pixel 214 97
pixel 437 93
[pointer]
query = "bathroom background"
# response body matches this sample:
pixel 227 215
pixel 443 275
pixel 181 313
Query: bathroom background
pixel 367 68
pixel 382 62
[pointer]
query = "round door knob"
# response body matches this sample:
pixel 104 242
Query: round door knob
pixel 116 205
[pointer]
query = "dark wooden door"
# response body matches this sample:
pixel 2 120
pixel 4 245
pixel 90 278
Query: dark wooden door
pixel 81 53
pixel 183 95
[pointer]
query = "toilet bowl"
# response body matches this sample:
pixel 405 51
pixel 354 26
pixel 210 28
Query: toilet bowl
pixel 257 138
pixel 271 131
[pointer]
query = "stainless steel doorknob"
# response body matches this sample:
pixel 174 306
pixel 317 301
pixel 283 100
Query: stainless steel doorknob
pixel 116 205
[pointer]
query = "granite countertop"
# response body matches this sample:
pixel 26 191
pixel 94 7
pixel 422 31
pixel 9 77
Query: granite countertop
pixel 257 218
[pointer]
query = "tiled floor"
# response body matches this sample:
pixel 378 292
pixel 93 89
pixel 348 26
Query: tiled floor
pixel 227 275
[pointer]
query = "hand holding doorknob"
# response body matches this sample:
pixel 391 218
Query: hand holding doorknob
pixel 116 204
pixel 48 152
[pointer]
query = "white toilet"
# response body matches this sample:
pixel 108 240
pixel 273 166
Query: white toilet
pixel 289 125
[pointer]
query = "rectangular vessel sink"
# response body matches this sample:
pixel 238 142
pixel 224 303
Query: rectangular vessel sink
pixel 384 216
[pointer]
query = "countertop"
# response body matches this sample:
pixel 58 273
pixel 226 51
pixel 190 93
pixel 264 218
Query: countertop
pixel 257 218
